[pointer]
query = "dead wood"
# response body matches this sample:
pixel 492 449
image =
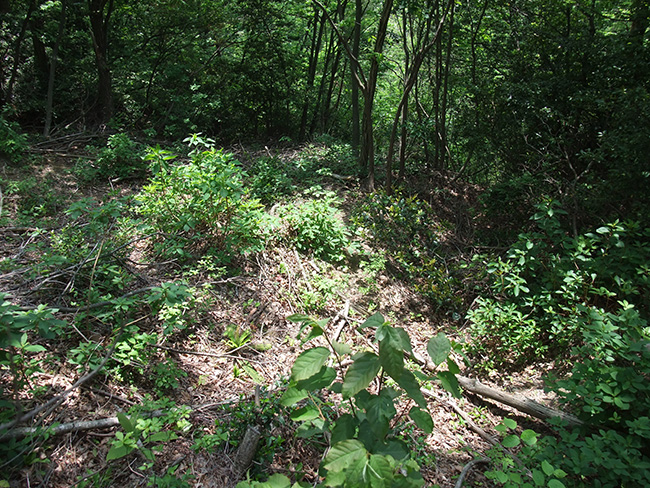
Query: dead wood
pixel 522 404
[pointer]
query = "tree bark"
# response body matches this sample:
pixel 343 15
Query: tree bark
pixel 100 16
pixel 50 85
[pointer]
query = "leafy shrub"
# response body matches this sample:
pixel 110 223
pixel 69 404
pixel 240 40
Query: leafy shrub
pixel 36 199
pixel 361 432
pixel 586 296
pixel 201 203
pixel 551 286
pixel 406 227
pixel 12 141
pixel 269 179
pixel 121 158
pixel 316 226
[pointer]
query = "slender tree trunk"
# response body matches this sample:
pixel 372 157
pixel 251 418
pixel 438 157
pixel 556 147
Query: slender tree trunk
pixel 314 54
pixel 18 52
pixel 53 62
pixel 356 39
pixel 99 16
pixel 446 155
pixel 411 80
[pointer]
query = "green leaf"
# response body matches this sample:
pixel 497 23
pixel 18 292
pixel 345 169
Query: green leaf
pixel 538 477
pixel 555 484
pixel 511 424
pixel 410 384
pixel 344 454
pixel 341 348
pixel 360 374
pixel 439 348
pixel 292 396
pixel 391 358
pixel 125 422
pixel 380 471
pixel 450 383
pixel 344 428
pixel 547 468
pixel 373 321
pixel 322 379
pixel 510 441
pixel 422 419
pixel 309 363
pixel 308 412
pixel 117 452
pixel 529 437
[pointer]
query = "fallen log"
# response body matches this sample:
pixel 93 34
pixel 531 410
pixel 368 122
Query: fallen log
pixel 523 404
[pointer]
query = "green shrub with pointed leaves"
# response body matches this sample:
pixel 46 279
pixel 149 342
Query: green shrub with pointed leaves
pixel 364 446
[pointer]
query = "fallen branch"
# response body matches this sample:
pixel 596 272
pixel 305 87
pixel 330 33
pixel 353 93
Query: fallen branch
pixel 523 404
pixel 466 469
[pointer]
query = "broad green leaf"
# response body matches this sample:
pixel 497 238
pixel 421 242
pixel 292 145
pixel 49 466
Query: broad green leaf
pixel 412 387
pixel 344 454
pixel 344 428
pixel 510 441
pixel 529 437
pixel 450 383
pixel 391 357
pixel 547 468
pixel 555 484
pixel 360 374
pixel 292 396
pixel 117 452
pixel 322 379
pixel 538 477
pixel 394 447
pixel 511 424
pixel 422 419
pixel 300 318
pixel 160 437
pixel 309 363
pixel 452 366
pixel 439 348
pixel 373 321
pixel 341 348
pixel 126 424
pixel 308 412
pixel 380 471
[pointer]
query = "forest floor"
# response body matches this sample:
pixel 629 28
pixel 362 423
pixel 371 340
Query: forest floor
pixel 214 374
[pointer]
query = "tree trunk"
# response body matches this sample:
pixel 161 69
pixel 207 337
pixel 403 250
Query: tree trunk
pixel 99 24
pixel 53 61
pixel 17 51
pixel 356 39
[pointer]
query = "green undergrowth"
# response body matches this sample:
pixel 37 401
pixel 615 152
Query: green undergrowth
pixel 582 301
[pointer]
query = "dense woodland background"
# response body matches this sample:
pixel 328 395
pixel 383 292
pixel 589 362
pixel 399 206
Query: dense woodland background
pixel 470 179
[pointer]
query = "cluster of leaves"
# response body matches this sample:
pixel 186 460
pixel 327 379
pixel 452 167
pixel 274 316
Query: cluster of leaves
pixel 121 158
pixel 12 140
pixel 406 227
pixel 203 202
pixel 315 226
pixel 36 198
pixel 586 296
pixel 364 448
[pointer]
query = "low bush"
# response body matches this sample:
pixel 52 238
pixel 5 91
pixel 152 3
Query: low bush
pixel 583 301
pixel 201 204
